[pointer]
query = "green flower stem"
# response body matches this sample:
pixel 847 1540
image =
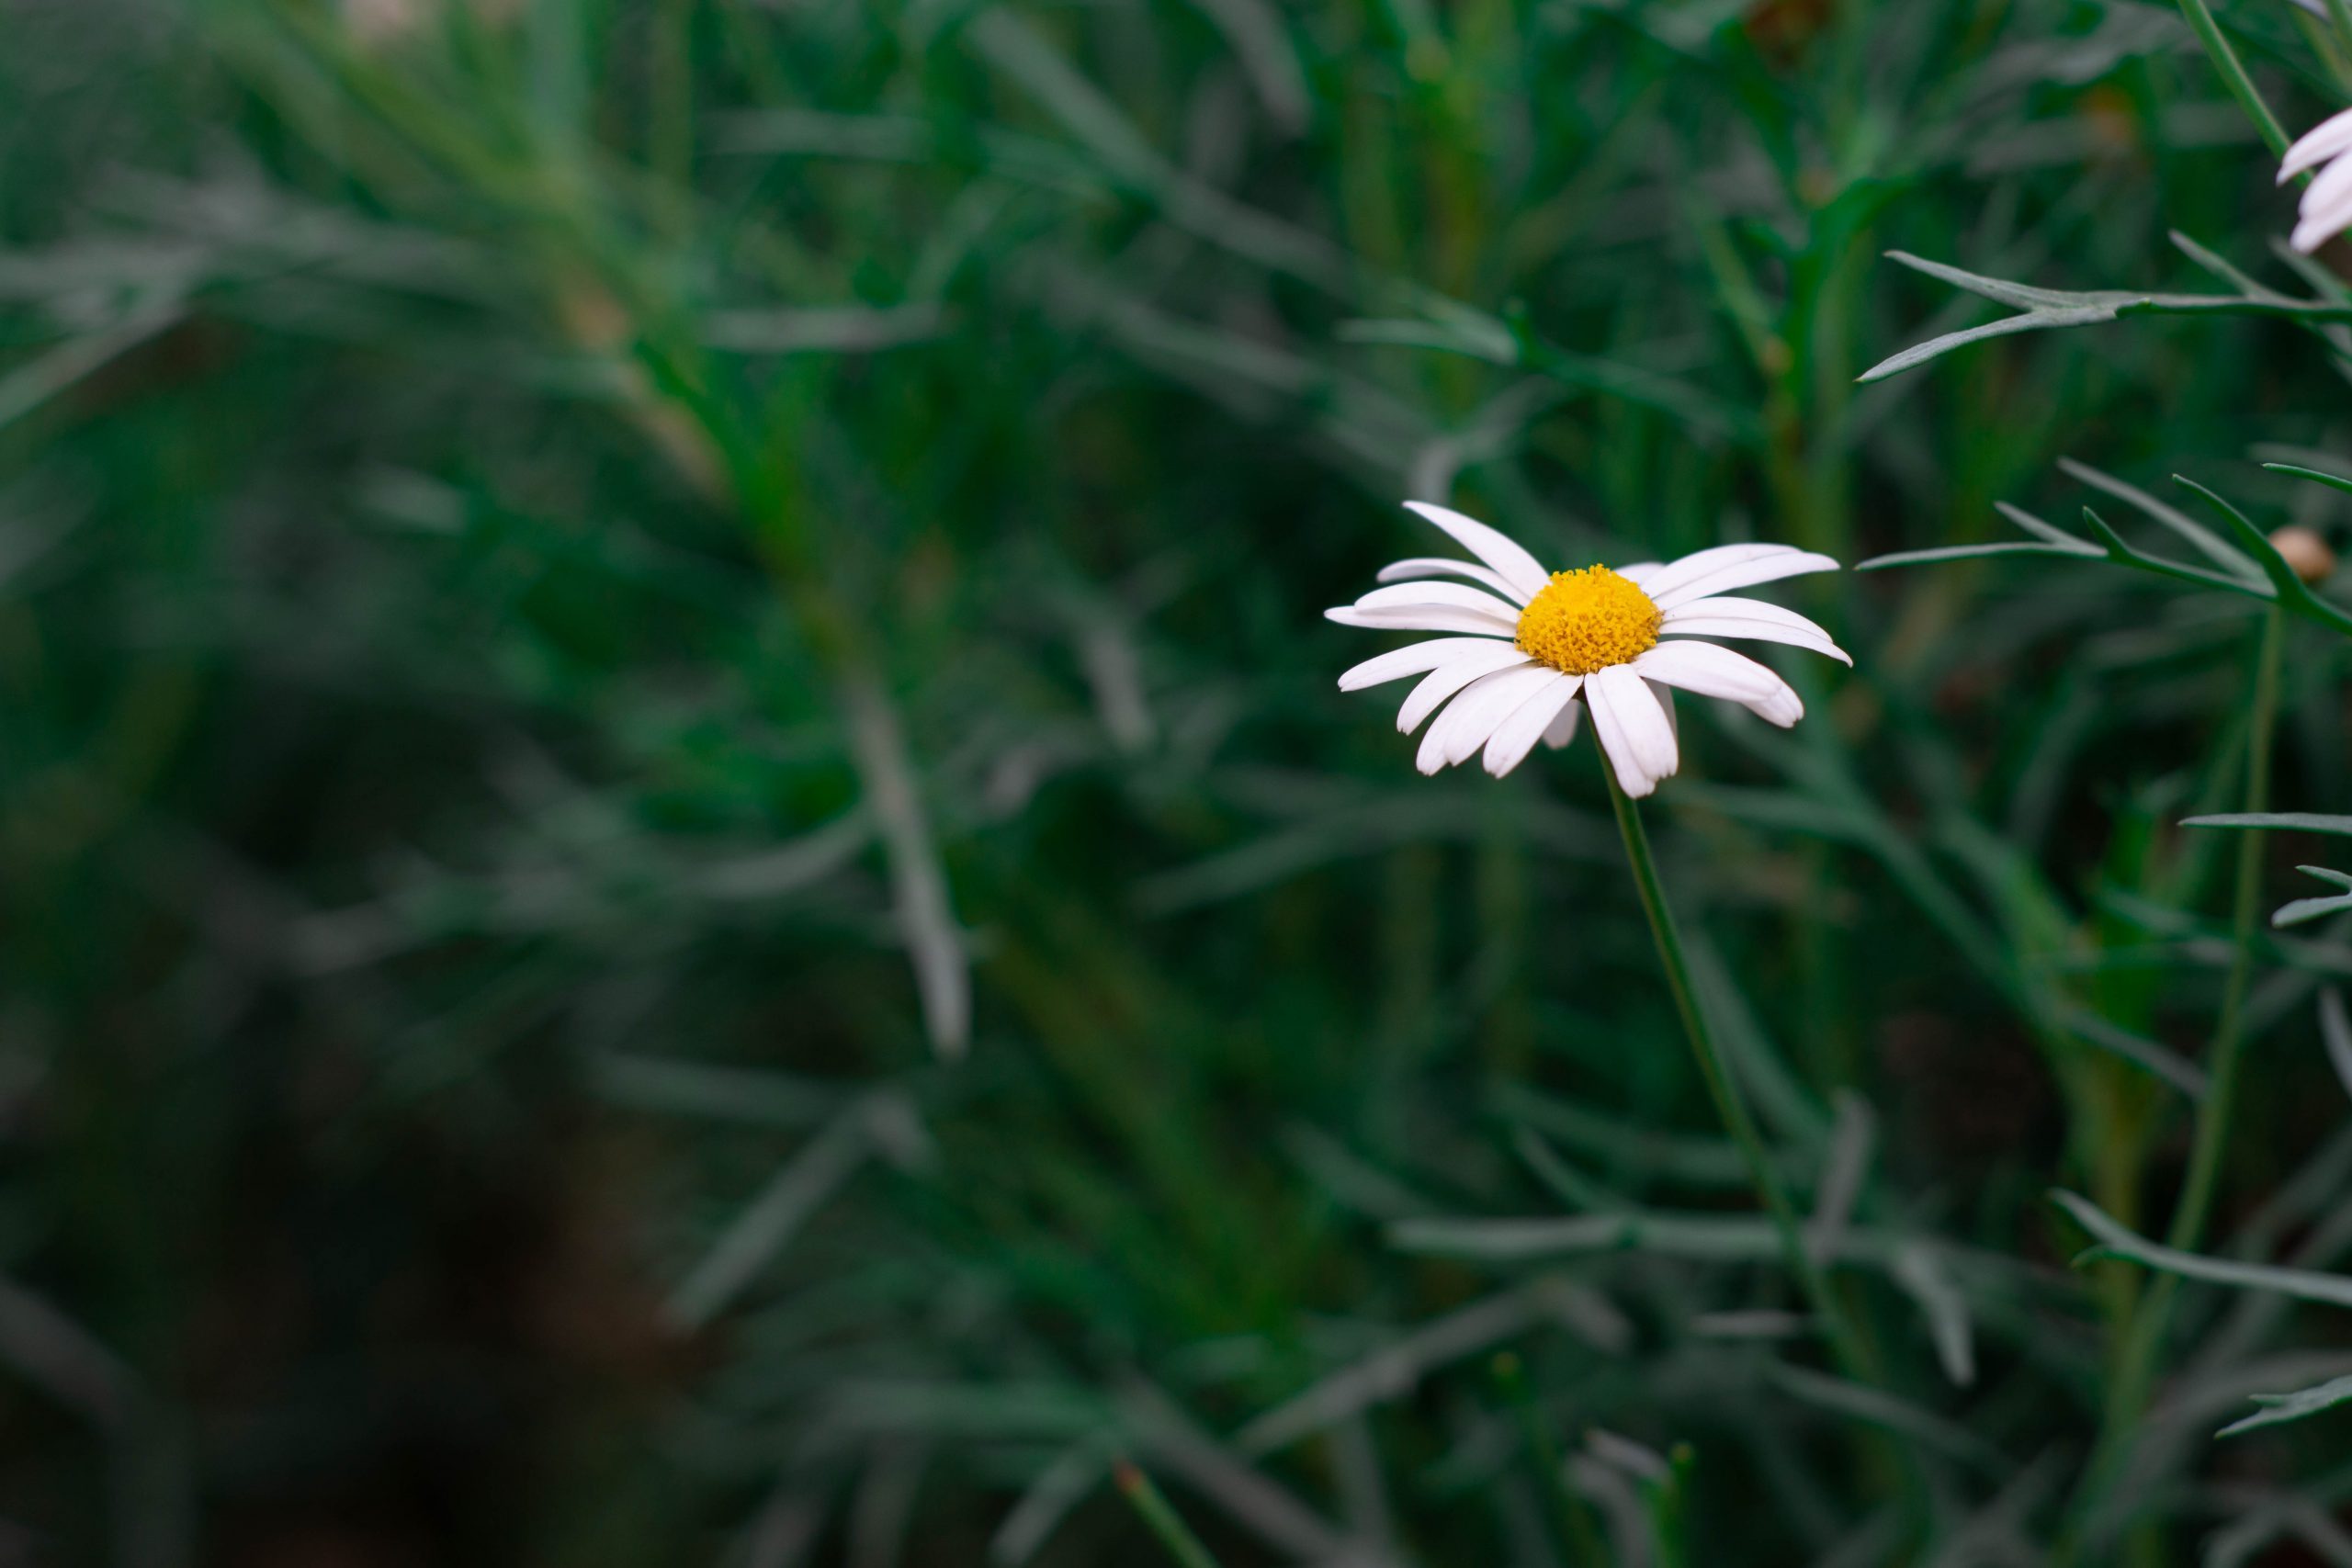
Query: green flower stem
pixel 1161 1518
pixel 2228 1030
pixel 2144 1338
pixel 2241 85
pixel 1853 1355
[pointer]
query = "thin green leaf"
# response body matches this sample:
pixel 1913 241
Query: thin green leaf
pixel 1919 1267
pixel 2303 821
pixel 1901 1417
pixel 2317 476
pixel 2123 550
pixel 2279 1407
pixel 2035 527
pixel 771 1219
pixel 2335 1033
pixel 1965 552
pixel 2042 309
pixel 2146 1054
pixel 2303 910
pixel 2198 537
pixel 2114 1241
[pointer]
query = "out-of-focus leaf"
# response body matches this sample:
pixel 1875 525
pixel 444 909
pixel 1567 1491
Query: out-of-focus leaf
pixel 1396 1368
pixel 702 1088
pixel 926 921
pixel 771 1219
pixel 1456 329
pixel 1248 1496
pixel 2198 537
pixel 2302 821
pixel 2302 909
pixel 2170 1066
pixel 2114 1241
pixel 1844 1167
pixel 28 385
pixel 2302 1402
pixel 2252 567
pixel 844 329
pixel 1919 1270
pixel 2042 309
pixel 1254 29
pixel 1879 1408
pixel 2335 1033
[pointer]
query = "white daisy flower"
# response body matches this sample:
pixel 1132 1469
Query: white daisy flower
pixel 2326 207
pixel 1529 643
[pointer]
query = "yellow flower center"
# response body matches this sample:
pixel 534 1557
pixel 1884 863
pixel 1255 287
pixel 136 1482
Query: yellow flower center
pixel 1588 620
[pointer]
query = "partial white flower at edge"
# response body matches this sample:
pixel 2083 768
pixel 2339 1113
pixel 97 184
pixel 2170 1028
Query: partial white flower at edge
pixel 1527 644
pixel 2326 207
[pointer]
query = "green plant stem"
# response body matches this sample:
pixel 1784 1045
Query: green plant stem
pixel 2145 1336
pixel 2241 85
pixel 1572 1526
pixel 2339 15
pixel 1161 1518
pixel 1853 1355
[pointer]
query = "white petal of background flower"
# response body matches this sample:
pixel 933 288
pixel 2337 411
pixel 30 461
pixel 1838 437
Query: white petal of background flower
pixel 2327 202
pixel 2325 208
pixel 2328 139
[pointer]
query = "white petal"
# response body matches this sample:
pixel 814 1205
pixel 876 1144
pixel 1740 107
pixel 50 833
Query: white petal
pixel 2317 145
pixel 1436 618
pixel 1441 566
pixel 1450 677
pixel 1631 728
pixel 2322 219
pixel 1741 574
pixel 1664 695
pixel 1754 631
pixel 1562 730
pixel 1690 568
pixel 2310 236
pixel 2324 197
pixel 1639 571
pixel 1471 718
pixel 1517 568
pixel 1414 661
pixel 1711 613
pixel 1453 595
pixel 1713 672
pixel 1516 736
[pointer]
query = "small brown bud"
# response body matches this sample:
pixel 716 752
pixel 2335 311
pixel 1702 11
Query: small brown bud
pixel 2306 552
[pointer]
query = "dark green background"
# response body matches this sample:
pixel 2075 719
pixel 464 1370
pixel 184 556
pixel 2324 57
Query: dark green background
pixel 522 527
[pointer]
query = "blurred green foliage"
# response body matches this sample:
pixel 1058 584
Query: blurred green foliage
pixel 683 882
